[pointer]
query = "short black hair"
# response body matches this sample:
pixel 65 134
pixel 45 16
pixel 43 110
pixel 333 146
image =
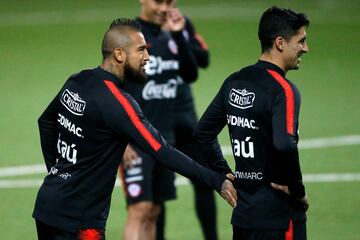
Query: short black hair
pixel 277 22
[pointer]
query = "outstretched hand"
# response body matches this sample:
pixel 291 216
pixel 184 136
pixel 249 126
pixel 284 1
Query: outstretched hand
pixel 304 200
pixel 228 192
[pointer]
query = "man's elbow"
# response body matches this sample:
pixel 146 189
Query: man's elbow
pixel 190 76
pixel 285 145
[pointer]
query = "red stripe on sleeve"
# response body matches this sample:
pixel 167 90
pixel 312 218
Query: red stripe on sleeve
pixel 133 116
pixel 289 235
pixel 289 95
pixel 201 41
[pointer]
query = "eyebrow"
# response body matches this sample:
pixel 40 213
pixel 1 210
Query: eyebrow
pixel 302 39
pixel 141 47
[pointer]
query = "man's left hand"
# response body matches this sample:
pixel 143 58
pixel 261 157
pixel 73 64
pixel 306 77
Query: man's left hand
pixel 228 192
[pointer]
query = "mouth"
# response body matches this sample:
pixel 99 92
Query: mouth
pixel 299 57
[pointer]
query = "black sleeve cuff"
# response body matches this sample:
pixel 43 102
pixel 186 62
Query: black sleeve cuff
pixel 297 190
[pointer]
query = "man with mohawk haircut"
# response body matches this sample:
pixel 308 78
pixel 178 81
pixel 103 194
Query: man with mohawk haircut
pixel 74 200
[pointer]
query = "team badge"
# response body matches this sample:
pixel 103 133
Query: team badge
pixel 242 99
pixel 134 190
pixel 173 46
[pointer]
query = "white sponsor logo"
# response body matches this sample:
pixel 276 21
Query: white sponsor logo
pixel 134 189
pixel 55 171
pixel 241 150
pixel 71 127
pixel 134 171
pixel 241 122
pixel 160 91
pixel 134 179
pixel 73 102
pixel 249 175
pixel 67 151
pixel 241 98
pixel 156 65
pixel 136 161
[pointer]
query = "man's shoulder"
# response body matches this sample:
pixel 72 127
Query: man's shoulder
pixel 83 74
pixel 245 71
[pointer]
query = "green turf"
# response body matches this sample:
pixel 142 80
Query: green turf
pixel 43 42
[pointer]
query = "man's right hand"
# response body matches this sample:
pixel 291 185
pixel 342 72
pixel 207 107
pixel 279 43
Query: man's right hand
pixel 304 200
pixel 129 156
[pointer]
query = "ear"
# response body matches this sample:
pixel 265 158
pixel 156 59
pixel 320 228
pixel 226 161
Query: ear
pixel 279 43
pixel 119 54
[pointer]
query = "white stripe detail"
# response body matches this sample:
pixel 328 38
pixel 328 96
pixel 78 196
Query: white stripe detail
pixel 21 183
pixel 22 170
pixel 134 179
pixel 182 181
pixel 227 151
pixel 329 142
pixel 332 177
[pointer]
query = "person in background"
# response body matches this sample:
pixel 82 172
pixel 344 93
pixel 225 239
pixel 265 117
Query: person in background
pixel 185 123
pixel 148 184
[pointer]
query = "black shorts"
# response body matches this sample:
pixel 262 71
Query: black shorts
pixel 296 231
pixel 147 180
pixel 46 232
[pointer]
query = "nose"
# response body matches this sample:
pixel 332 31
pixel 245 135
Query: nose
pixel 146 56
pixel 305 47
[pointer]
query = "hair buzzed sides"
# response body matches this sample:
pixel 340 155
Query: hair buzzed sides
pixel 277 22
pixel 118 35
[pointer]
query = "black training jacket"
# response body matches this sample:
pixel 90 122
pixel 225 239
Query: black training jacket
pixel 261 109
pixel 84 132
pixel 171 61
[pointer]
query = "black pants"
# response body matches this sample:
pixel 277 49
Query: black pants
pixel 296 231
pixel 46 232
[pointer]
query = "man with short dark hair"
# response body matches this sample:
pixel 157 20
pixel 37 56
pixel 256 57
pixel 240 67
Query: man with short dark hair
pixel 84 132
pixel 261 109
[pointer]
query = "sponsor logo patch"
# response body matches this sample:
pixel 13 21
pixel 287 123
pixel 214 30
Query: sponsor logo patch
pixel 241 122
pixel 157 65
pixel 67 151
pixel 71 127
pixel 243 148
pixel 249 175
pixel 167 90
pixel 241 98
pixel 73 102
